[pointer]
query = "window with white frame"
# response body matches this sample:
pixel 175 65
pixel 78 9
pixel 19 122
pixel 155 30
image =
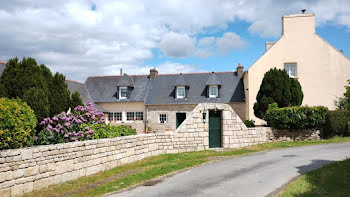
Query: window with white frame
pixel 162 118
pixel 130 116
pixel 139 116
pixel 291 69
pixel 180 92
pixel 213 92
pixel 123 92
pixel 110 116
pixel 118 116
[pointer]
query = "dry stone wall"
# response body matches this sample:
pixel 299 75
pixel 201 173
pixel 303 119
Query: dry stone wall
pixel 35 168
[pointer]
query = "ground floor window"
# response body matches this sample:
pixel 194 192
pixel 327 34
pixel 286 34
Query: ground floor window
pixel 110 116
pixel 139 115
pixel 130 116
pixel 162 118
pixel 118 116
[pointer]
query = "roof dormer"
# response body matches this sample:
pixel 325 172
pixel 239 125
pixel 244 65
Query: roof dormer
pixel 213 86
pixel 181 87
pixel 125 84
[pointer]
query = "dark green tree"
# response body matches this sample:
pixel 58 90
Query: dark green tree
pixel 19 77
pixel 46 94
pixel 76 100
pixel 38 101
pixel 277 87
pixel 60 95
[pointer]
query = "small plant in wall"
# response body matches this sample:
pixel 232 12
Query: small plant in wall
pixel 149 130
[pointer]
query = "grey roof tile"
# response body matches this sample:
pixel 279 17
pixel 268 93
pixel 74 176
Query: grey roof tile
pixel 162 91
pixel 180 81
pixel 125 81
pixel 104 88
pixel 212 80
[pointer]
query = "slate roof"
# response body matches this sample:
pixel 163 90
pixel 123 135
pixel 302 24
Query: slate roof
pixel 104 88
pixel 212 80
pixel 125 81
pixel 162 91
pixel 180 81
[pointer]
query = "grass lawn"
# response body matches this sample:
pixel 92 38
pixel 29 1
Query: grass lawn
pixel 330 180
pixel 138 172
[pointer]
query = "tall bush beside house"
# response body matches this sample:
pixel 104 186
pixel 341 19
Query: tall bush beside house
pixel 336 124
pixel 17 123
pixel 277 87
pixel 296 117
pixel 20 77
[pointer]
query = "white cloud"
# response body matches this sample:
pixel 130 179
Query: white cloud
pixel 229 42
pixel 177 45
pixel 73 38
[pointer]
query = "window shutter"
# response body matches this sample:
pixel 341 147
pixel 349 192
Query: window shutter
pixel 129 92
pixel 117 95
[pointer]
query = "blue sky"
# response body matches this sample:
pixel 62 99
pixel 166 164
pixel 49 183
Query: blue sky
pixel 82 38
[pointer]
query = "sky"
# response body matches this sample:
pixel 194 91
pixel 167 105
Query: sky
pixel 84 38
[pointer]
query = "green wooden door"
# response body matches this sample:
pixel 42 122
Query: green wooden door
pixel 214 129
pixel 180 117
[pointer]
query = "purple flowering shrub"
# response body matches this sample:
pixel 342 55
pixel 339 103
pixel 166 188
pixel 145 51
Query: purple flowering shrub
pixel 70 127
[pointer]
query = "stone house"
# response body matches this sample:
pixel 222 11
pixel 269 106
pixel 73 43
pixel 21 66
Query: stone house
pixel 160 102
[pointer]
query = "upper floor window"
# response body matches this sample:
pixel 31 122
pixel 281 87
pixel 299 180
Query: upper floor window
pixel 123 92
pixel 213 92
pixel 180 92
pixel 291 69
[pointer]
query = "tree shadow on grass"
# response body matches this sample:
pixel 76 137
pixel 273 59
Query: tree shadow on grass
pixel 329 180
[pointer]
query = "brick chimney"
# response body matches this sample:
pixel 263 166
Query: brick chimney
pixel 268 45
pixel 239 70
pixel 121 72
pixel 153 73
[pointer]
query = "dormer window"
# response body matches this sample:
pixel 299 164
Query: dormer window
pixel 180 92
pixel 123 92
pixel 213 91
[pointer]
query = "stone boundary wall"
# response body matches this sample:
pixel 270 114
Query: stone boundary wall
pixel 292 135
pixel 35 168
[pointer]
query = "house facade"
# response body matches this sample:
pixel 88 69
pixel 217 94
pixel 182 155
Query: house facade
pixel 321 69
pixel 160 102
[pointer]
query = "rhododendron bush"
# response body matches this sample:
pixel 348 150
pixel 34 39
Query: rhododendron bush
pixel 70 127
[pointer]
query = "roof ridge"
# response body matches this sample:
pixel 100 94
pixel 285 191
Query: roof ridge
pixel 74 81
pixel 194 73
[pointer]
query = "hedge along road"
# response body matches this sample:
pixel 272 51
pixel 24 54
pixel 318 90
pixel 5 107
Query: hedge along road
pixel 257 174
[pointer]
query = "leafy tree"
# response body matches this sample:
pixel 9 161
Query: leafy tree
pixel 347 97
pixel 277 87
pixel 60 95
pixel 76 100
pixel 46 94
pixel 38 101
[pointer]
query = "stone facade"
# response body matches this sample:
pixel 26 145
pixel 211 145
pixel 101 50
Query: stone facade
pixel 170 111
pixel 35 168
pixel 295 135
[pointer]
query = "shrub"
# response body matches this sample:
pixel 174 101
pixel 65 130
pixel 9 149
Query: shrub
pixel 296 117
pixel 336 124
pixel 108 131
pixel 17 123
pixel 68 127
pixel 249 123
pixel 276 86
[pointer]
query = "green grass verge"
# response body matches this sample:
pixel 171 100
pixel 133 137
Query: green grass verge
pixel 137 172
pixel 330 180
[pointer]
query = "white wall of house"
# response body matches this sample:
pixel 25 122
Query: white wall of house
pixel 322 70
pixel 124 108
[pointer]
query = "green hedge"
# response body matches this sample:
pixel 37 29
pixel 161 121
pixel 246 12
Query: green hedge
pixel 337 124
pixel 108 131
pixel 296 117
pixel 17 124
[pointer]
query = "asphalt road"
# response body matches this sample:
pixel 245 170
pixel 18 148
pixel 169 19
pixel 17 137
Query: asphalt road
pixel 257 174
